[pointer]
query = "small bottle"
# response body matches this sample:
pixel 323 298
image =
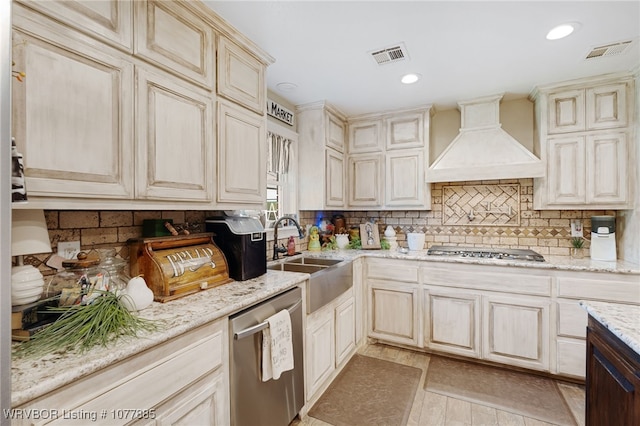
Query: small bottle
pixel 291 246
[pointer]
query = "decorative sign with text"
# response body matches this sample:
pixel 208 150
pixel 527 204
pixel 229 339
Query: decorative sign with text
pixel 279 112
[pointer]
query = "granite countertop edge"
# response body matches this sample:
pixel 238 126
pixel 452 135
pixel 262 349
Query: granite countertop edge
pixel 621 319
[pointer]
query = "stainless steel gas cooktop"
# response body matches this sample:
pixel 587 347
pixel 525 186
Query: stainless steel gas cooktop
pixel 486 253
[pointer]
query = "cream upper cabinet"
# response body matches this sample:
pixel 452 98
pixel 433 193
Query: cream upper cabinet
pixel 584 137
pixel 321 130
pixel 365 136
pixel 241 157
pixel 73 117
pixel 388 155
pixel 175 141
pixel 109 20
pixel 406 129
pixel 365 174
pixel 405 183
pixel 175 39
pixel 241 76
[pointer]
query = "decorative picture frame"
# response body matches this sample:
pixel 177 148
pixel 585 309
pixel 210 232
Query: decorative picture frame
pixel 369 236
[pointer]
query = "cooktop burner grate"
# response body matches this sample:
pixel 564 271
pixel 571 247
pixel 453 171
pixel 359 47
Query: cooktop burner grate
pixel 486 253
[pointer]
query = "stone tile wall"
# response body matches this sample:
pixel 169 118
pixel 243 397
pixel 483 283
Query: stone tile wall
pixel 545 231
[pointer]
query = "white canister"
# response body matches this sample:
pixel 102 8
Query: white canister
pixel 415 240
pixel 342 240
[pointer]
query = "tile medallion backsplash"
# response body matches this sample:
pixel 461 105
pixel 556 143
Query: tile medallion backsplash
pixel 486 205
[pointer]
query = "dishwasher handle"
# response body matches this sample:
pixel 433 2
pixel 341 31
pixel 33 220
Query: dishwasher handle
pixel 264 324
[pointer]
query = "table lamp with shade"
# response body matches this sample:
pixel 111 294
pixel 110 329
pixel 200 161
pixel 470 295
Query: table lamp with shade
pixel 29 235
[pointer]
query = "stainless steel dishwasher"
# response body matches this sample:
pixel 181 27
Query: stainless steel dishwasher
pixel 274 402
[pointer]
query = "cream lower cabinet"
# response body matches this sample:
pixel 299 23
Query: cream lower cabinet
pixel 453 321
pixel 181 381
pixel 330 342
pixel 516 331
pixel 394 302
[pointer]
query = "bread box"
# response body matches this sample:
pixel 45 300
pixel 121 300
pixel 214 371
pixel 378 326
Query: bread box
pixel 177 266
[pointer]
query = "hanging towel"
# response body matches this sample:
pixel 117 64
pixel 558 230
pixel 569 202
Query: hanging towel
pixel 277 346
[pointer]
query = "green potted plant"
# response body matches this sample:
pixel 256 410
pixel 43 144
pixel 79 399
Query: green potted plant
pixel 577 245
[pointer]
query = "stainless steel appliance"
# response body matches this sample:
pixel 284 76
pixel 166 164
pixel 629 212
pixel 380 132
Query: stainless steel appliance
pixel 274 402
pixel 487 253
pixel 243 241
pixel 603 238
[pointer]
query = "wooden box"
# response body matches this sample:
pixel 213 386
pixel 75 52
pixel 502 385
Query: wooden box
pixel 174 267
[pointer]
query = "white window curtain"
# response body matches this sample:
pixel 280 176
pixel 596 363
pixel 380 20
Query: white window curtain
pixel 279 152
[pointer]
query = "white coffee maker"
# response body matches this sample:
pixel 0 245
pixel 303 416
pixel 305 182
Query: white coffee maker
pixel 603 238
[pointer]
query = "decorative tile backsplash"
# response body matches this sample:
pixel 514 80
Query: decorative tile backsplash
pixel 481 205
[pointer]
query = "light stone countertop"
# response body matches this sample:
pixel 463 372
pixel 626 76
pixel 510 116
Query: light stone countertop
pixel 33 378
pixel 622 320
pixel 551 262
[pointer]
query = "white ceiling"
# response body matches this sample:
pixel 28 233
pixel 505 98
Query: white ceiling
pixel 462 49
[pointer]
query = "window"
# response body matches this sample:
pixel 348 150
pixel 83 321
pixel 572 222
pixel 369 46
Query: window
pixel 282 170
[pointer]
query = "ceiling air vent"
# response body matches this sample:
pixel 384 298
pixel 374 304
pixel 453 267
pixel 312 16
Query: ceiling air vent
pixel 609 50
pixel 395 53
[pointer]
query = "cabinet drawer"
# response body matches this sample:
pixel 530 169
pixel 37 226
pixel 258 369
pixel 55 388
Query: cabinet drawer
pixel 509 280
pixel 395 270
pixel 571 357
pixel 624 290
pixel 572 319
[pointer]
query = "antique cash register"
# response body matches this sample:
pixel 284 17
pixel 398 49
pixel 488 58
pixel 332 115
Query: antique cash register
pixel 177 266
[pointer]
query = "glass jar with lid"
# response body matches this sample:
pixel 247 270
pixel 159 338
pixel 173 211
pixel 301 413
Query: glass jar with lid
pixel 115 267
pixel 80 276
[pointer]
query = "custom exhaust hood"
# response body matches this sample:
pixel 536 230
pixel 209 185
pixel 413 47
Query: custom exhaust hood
pixel 483 150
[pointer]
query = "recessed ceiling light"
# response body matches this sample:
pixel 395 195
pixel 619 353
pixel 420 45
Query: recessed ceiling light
pixel 287 87
pixel 561 31
pixel 410 78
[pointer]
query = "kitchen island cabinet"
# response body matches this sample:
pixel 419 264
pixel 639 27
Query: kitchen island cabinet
pixel 613 363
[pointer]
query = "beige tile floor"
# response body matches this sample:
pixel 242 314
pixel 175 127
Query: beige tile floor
pixel 434 409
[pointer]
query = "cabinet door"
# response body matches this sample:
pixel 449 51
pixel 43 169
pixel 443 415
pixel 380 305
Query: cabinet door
pixel 109 20
pixel 365 174
pixel 320 349
pixel 203 403
pixel 175 139
pixel 241 77
pixel 405 130
pixel 241 156
pixel 405 180
pixel 170 36
pixel 570 357
pixel 566 170
pixel 72 120
pixel 516 331
pixel 393 312
pixel 607 178
pixel 452 322
pixel 365 136
pixel 334 178
pixel 607 106
pixel 345 330
pixel 612 384
pixel 566 111
pixel 335 132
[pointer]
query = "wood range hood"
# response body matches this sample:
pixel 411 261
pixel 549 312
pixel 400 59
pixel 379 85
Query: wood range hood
pixel 483 150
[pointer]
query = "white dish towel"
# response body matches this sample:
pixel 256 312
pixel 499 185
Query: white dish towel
pixel 277 346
